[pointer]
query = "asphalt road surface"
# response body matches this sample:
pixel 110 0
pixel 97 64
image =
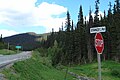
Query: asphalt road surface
pixel 8 59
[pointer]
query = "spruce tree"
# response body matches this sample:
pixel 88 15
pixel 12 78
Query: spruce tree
pixel 72 42
pixel 68 42
pixel 114 9
pixel 117 5
pixel 50 39
pixel 109 27
pixel 56 54
pixel 80 42
pixel 96 19
pixel 78 46
pixel 117 23
pixel 62 26
pixel 68 24
pixel 90 38
pixel 1 38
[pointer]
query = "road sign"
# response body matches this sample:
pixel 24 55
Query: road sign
pixel 18 47
pixel 98 29
pixel 99 43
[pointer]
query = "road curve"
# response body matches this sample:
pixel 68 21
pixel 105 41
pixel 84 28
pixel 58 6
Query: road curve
pixel 8 59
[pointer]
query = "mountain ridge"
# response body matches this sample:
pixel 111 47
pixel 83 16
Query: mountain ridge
pixel 28 41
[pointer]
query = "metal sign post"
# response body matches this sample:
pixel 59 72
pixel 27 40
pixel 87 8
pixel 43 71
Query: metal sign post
pixel 99 67
pixel 99 45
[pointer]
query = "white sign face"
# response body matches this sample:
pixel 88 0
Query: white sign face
pixel 98 29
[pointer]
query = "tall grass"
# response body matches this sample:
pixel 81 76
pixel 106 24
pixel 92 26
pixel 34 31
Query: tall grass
pixel 6 52
pixel 110 70
pixel 36 68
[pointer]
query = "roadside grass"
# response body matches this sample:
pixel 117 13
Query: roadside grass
pixel 39 67
pixel 35 68
pixel 110 70
pixel 6 52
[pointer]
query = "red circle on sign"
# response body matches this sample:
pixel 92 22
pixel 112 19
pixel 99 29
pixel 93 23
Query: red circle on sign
pixel 99 43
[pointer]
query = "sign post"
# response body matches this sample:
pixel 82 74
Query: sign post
pixel 99 45
pixel 18 47
pixel 99 67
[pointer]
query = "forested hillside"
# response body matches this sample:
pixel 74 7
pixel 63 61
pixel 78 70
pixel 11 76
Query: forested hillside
pixel 75 45
pixel 28 41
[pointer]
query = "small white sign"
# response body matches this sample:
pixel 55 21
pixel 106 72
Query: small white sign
pixel 98 29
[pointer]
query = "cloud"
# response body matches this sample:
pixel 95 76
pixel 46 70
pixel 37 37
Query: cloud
pixel 44 14
pixel 6 33
pixel 24 13
pixel 93 14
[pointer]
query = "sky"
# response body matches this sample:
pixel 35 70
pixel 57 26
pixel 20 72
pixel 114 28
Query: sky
pixel 40 16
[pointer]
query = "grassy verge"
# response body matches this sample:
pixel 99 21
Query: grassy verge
pixel 6 52
pixel 39 68
pixel 110 70
pixel 35 68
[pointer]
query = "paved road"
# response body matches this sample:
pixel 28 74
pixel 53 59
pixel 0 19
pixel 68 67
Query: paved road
pixel 8 59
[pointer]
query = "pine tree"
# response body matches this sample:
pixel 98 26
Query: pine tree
pixel 1 38
pixel 96 19
pixel 106 37
pixel 117 23
pixel 80 41
pixel 117 5
pixel 72 27
pixel 62 26
pixel 109 26
pixel 80 16
pixel 73 42
pixel 61 38
pixel 90 38
pixel 68 41
pixel 68 24
pixel 77 50
pixel 114 9
pixel 56 54
pixel 50 39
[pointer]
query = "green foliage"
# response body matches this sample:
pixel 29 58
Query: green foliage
pixel 35 68
pixel 42 52
pixel 68 23
pixel 116 71
pixel 96 19
pixel 77 44
pixel 55 54
pixel 80 40
pixel 7 52
pixel 110 70
pixel 3 45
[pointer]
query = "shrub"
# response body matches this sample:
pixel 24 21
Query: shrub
pixel 115 72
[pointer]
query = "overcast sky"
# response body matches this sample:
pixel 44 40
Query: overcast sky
pixel 40 16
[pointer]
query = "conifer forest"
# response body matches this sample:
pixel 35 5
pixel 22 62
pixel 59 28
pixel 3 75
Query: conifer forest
pixel 74 44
